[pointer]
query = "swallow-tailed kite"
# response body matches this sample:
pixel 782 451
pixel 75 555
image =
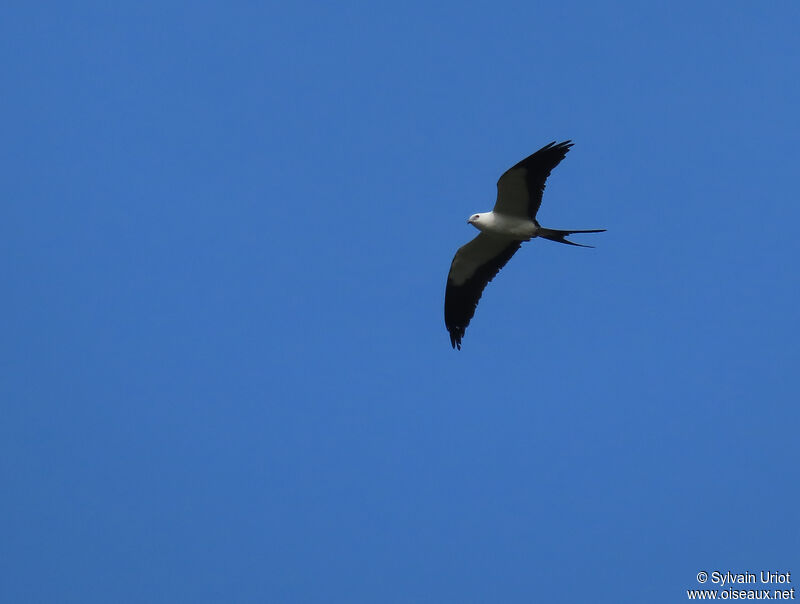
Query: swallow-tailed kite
pixel 502 231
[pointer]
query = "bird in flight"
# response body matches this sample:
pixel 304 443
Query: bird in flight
pixel 502 231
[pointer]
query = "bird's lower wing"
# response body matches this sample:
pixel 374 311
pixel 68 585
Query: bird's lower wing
pixel 474 265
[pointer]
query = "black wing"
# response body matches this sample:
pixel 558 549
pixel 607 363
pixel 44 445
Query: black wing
pixel 474 265
pixel 520 188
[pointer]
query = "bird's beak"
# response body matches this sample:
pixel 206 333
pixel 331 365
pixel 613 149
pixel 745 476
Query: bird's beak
pixel 469 220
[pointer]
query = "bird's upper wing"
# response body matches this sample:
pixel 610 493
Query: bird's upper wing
pixel 520 188
pixel 474 265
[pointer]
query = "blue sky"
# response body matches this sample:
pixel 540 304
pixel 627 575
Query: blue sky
pixel 225 235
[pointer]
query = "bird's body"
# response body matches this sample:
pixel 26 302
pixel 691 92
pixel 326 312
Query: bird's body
pixel 502 225
pixel 511 222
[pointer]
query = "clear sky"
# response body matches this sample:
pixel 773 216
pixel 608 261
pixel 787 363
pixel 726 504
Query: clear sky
pixel 225 232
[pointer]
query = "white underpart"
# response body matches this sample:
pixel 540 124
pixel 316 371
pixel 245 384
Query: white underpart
pixel 512 227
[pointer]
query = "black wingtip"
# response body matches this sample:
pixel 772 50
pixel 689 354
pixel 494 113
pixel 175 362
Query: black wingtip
pixel 555 144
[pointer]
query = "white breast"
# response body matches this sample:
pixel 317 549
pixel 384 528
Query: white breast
pixel 507 226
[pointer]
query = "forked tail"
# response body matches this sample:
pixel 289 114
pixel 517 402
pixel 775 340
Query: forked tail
pixel 561 236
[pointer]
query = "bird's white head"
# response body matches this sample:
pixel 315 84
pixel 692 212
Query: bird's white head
pixel 475 220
